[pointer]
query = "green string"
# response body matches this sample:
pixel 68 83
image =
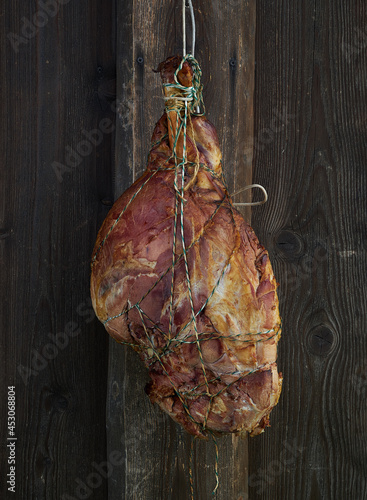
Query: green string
pixel 192 104
pixel 195 92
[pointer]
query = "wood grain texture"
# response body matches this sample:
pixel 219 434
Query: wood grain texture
pixel 48 221
pixel 300 117
pixel 313 162
pixel 156 449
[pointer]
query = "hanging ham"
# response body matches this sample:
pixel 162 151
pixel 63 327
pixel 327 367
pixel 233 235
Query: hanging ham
pixel 181 277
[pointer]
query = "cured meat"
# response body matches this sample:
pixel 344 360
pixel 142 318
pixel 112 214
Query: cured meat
pixel 181 277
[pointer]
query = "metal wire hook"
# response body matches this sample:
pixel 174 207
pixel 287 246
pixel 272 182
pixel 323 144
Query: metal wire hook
pixel 184 27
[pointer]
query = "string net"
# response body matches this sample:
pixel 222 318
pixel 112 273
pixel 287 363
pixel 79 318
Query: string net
pixel 208 396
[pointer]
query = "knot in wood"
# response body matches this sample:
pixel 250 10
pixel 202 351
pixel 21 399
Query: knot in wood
pixel 321 340
pixel 289 243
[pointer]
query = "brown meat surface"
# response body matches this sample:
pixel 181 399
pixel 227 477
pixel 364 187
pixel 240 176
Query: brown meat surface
pixel 207 332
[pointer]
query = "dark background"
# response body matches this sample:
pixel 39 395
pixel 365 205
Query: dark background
pixel 285 85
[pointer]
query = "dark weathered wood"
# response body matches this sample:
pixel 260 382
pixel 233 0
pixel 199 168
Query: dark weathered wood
pixel 312 63
pixel 49 216
pixel 307 141
pixel 156 449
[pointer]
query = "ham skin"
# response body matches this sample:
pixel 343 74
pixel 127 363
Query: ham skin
pixel 218 373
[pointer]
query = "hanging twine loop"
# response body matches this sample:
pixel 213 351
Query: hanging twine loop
pixel 251 203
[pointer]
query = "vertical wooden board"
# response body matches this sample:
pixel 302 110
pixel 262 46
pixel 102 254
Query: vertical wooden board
pixel 226 50
pixel 56 352
pixel 156 450
pixel 310 129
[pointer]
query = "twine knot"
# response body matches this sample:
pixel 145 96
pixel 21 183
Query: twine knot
pixel 179 94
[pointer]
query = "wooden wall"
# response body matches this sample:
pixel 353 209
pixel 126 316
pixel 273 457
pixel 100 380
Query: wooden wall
pixel 285 85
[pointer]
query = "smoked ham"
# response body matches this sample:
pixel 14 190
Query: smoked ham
pixel 181 277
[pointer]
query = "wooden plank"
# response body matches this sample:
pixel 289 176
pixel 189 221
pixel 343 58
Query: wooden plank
pixel 310 123
pixel 156 450
pixel 58 80
pixel 53 351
